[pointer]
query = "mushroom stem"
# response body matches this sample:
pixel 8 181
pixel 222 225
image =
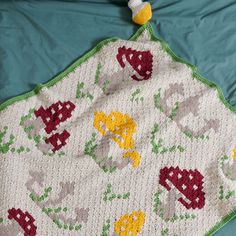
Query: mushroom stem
pixel 10 230
pixel 114 81
pixel 169 206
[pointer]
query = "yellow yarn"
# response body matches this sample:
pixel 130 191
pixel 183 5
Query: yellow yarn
pixel 130 225
pixel 234 153
pixel 144 15
pixel 134 156
pixel 122 126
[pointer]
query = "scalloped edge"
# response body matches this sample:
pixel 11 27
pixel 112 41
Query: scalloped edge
pixel 166 47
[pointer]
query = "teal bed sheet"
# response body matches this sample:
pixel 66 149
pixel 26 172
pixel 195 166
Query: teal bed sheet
pixel 39 39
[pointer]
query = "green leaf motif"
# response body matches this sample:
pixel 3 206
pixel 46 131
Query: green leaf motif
pixel 158 146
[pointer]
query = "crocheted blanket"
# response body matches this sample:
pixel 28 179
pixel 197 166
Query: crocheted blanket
pixel 129 140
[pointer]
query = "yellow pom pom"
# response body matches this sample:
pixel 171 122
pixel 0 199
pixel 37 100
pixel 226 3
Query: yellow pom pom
pixel 142 11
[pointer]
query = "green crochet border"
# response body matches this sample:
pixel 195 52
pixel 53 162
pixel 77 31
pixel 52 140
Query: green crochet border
pixel 165 46
pixel 84 58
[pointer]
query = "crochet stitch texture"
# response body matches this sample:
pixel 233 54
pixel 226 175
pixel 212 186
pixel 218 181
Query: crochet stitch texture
pixel 129 140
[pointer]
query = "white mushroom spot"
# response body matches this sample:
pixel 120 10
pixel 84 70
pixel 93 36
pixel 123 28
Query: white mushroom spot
pixel 171 173
pixel 179 176
pixel 190 176
pixel 195 187
pixel 60 116
pixel 131 56
pixel 59 106
pixel 29 227
pixel 48 119
pixel 148 72
pixel 53 111
pixel 139 67
pixel 58 142
pixel 68 106
pixel 184 186
pixel 197 199
pixel 140 57
pixel 26 218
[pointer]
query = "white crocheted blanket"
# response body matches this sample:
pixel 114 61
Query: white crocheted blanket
pixel 129 140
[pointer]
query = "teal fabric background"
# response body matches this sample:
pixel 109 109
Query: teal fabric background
pixel 39 39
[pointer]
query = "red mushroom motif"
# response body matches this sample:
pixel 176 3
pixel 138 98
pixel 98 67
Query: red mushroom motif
pixel 55 114
pixel 58 140
pixel 25 221
pixel 184 185
pixel 141 62
pixel 50 118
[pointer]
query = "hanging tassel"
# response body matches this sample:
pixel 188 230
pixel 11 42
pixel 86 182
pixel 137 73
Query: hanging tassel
pixel 141 11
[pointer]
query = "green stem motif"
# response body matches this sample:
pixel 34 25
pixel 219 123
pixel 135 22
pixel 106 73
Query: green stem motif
pixel 42 197
pixel 109 195
pixel 54 210
pixel 60 225
pixel 48 210
pixel 89 150
pixel 165 232
pixel 26 117
pixel 105 85
pixel 228 195
pixel 37 138
pixel 136 96
pixel 157 101
pixel 191 136
pixel 90 147
pixel 80 94
pixel 174 111
pixel 56 221
pixel 1 220
pixel 51 154
pixel 98 73
pixel 106 228
pixel 158 105
pixel 159 210
pixel 222 160
pixel 228 166
pixel 172 115
pixel 158 147
pixel 7 146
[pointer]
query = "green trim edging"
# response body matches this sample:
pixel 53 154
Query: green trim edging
pixel 195 72
pixel 221 223
pixel 57 78
pixel 84 58
pixel 69 69
pixel 165 47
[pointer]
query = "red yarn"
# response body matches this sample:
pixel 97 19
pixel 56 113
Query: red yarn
pixel 55 114
pixel 58 140
pixel 187 182
pixel 141 61
pixel 25 220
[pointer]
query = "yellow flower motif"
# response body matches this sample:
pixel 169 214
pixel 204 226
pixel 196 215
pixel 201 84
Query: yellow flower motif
pixel 234 153
pixel 134 156
pixel 122 126
pixel 130 225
